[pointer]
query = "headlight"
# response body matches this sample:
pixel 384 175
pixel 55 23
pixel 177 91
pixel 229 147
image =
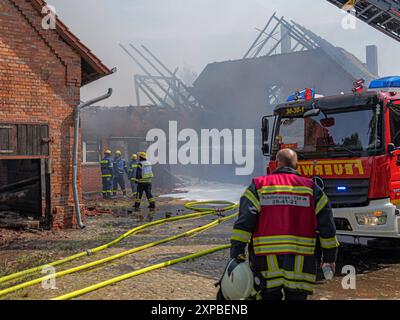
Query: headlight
pixel 376 218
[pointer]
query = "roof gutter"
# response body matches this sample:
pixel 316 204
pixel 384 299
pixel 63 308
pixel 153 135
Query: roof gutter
pixel 75 155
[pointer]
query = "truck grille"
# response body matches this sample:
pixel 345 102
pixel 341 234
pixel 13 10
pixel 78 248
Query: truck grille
pixel 355 195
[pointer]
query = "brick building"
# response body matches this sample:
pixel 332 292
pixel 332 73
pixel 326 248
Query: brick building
pixel 41 72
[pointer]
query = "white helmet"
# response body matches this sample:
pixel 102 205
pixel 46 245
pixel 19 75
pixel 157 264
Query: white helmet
pixel 237 282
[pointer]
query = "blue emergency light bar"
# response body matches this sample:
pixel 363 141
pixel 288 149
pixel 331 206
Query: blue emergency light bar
pixel 307 94
pixel 388 84
pixel 341 188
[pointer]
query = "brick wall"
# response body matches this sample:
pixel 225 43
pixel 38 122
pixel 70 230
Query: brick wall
pixel 40 83
pixel 91 178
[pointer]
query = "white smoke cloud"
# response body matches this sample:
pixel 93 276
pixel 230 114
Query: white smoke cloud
pixel 197 32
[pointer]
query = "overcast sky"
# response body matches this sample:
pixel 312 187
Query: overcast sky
pixel 197 32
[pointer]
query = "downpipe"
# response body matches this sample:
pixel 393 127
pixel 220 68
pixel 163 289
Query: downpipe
pixel 75 154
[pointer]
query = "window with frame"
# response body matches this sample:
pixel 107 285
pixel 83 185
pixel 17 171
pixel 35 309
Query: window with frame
pixel 91 152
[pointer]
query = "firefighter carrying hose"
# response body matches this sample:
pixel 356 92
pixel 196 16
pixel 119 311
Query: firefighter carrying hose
pixel 282 215
pixel 119 173
pixel 133 165
pixel 144 176
pixel 107 174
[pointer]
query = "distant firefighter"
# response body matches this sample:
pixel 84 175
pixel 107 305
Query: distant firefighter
pixel 144 176
pixel 107 174
pixel 119 173
pixel 133 165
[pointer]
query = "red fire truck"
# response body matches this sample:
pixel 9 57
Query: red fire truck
pixel 350 145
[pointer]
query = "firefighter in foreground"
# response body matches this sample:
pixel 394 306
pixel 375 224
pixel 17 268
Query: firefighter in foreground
pixel 107 174
pixel 133 165
pixel 282 215
pixel 119 173
pixel 144 176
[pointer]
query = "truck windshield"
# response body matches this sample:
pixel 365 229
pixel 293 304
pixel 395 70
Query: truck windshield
pixel 353 133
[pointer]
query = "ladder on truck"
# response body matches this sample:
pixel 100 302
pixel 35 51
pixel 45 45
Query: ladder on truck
pixel 383 15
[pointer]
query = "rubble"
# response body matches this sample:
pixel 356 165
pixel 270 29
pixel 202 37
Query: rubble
pixel 13 220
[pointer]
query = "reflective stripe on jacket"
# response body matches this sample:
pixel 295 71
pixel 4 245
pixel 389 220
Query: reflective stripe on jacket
pixel 287 222
pixel 133 165
pixel 144 172
pixel 107 167
pixel 281 268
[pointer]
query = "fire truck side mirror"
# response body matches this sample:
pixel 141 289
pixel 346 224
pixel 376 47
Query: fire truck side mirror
pixel 312 113
pixel 265 136
pixel 391 148
pixel 392 152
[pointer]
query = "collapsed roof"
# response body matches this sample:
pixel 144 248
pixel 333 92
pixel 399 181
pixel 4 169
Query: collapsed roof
pixel 249 88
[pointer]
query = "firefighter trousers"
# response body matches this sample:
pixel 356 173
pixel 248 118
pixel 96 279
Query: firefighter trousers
pixel 144 188
pixel 289 274
pixel 134 188
pixel 119 180
pixel 107 187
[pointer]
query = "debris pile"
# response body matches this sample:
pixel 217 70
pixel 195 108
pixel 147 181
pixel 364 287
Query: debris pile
pixel 13 220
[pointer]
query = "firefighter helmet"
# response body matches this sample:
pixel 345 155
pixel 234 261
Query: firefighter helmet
pixel 134 156
pixel 118 153
pixel 237 283
pixel 108 152
pixel 142 155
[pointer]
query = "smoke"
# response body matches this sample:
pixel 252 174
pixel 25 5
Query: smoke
pixel 197 32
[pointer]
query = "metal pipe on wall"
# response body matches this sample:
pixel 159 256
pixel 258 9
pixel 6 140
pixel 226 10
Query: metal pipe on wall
pixel 75 155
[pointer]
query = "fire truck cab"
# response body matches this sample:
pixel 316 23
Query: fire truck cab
pixel 350 146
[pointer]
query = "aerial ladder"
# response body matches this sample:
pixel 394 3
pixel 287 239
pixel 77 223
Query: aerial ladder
pixel 383 15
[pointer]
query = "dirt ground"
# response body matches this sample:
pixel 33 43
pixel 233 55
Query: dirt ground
pixel 377 270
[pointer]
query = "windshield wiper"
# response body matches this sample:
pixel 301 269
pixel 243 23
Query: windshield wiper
pixel 341 148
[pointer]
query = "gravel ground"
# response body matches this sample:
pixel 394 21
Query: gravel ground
pixel 377 270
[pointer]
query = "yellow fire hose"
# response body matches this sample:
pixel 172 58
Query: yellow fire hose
pixel 196 206
pixel 103 284
pixel 114 257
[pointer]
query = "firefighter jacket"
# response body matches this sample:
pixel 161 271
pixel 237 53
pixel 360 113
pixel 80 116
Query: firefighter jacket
pixel 281 217
pixel 120 167
pixel 133 165
pixel 107 167
pixel 144 172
